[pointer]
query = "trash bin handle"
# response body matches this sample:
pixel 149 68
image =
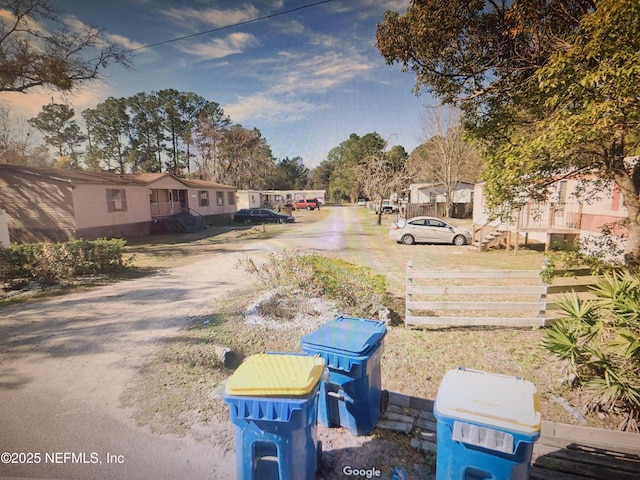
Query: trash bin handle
pixel 341 395
pixel 464 369
pixel 335 395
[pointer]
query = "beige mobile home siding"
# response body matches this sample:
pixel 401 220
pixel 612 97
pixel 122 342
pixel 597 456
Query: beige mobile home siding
pixel 56 205
pixel 37 209
pixel 213 208
pixel 167 182
pixel 94 220
pixel 90 203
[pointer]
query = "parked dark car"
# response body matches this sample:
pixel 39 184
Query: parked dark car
pixel 261 215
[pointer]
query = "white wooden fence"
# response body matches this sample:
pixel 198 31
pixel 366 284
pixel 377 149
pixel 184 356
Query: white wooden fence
pixel 515 298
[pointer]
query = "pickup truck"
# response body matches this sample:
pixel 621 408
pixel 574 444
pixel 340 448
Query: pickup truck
pixel 309 204
pixel 387 207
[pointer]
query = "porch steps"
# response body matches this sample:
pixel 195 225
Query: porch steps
pixel 491 239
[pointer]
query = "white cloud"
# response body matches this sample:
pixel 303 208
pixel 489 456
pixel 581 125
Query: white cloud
pixel 221 47
pixel 285 98
pixel 124 42
pixel 27 22
pixel 267 107
pixel 120 40
pixel 370 8
pixel 30 104
pixel 318 73
pixel 395 5
pixel 213 16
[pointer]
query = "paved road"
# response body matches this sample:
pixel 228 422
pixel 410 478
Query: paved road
pixel 65 362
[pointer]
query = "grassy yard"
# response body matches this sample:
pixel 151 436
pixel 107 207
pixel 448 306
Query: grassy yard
pixel 178 386
pixel 416 360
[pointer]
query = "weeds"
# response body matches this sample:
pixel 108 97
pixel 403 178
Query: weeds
pixel 354 288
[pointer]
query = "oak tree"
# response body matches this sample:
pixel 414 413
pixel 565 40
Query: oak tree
pixel 37 49
pixel 551 88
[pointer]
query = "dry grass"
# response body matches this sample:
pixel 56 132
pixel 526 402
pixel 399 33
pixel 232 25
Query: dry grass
pixel 414 361
pixel 174 250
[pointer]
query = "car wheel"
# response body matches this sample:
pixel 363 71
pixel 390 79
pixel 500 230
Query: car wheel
pixel 309 208
pixel 459 240
pixel 408 239
pixel 280 220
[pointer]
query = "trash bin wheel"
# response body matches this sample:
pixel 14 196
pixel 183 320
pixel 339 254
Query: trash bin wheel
pixel 384 400
pixel 319 457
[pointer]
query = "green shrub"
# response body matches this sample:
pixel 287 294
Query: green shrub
pixel 97 256
pixel 49 263
pixel 353 287
pixel 600 341
pixel 16 261
pixel 599 254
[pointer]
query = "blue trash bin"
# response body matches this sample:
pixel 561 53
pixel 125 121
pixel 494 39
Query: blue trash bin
pixel 353 395
pixel 273 404
pixel 486 426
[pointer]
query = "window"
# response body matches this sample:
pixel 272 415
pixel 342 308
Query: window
pixel 116 200
pixel 231 198
pixel 562 192
pixel 203 198
pixel 220 197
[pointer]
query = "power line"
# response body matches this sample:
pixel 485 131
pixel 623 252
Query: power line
pixel 238 24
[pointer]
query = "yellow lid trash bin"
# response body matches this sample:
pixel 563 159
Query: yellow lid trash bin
pixel 273 403
pixel 280 375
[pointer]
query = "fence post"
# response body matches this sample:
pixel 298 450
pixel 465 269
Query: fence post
pixel 543 296
pixel 408 295
pixel 4 230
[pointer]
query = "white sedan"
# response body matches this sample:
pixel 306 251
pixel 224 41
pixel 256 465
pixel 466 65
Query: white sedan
pixel 428 230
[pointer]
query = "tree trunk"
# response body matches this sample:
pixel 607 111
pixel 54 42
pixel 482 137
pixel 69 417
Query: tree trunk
pixel 632 248
pixel 629 183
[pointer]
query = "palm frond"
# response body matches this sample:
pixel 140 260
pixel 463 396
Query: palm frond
pixel 584 311
pixel 613 392
pixel 563 341
pixel 627 344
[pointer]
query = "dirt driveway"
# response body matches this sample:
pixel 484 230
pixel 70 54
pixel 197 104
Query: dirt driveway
pixel 65 363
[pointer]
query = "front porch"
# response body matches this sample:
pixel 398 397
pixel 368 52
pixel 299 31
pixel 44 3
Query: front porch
pixel 536 223
pixel 167 202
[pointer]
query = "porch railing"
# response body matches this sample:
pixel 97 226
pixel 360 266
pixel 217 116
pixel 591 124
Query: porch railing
pixel 548 215
pixel 164 209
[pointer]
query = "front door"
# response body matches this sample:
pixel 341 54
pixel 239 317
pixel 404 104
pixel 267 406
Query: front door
pixel 184 199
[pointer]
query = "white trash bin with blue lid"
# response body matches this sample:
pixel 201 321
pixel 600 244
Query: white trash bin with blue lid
pixel 487 426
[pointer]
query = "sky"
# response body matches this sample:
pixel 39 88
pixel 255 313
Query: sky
pixel 306 76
